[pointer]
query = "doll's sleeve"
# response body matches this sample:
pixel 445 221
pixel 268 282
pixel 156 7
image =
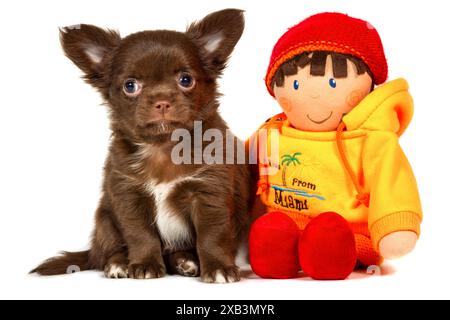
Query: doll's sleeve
pixel 394 197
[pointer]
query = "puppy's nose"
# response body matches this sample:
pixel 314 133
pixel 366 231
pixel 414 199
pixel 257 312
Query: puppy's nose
pixel 163 106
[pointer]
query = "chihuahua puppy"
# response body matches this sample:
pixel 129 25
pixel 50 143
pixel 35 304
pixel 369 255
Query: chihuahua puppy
pixel 156 216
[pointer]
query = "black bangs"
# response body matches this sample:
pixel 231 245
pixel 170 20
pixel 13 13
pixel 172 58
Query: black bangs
pixel 318 62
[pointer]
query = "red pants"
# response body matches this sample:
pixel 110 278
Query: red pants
pixel 326 247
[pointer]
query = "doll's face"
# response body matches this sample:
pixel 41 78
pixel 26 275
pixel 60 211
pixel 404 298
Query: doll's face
pixel 316 103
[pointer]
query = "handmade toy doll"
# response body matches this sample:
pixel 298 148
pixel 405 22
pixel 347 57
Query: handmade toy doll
pixel 342 193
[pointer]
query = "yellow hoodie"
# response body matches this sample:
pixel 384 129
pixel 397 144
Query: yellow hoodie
pixel 360 173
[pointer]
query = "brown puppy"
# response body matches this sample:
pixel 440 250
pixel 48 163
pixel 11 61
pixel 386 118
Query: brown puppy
pixel 155 215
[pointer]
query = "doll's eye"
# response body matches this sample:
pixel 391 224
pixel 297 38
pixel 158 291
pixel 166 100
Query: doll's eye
pixel 296 85
pixel 333 83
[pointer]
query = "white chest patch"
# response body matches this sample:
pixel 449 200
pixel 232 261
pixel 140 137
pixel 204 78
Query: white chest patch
pixel 175 232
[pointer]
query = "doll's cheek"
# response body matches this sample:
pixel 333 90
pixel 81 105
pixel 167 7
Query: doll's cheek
pixel 354 98
pixel 285 103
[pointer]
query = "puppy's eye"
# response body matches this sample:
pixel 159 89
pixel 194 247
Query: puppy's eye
pixel 132 87
pixel 186 81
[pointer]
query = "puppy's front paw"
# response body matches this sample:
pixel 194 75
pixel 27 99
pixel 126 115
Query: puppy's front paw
pixel 147 270
pixel 116 271
pixel 222 275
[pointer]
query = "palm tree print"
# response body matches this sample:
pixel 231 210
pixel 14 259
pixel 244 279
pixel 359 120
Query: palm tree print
pixel 287 160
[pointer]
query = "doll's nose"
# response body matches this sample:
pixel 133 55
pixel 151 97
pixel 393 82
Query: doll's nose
pixel 315 96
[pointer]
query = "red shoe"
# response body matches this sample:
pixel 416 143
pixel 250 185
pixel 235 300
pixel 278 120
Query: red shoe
pixel 327 249
pixel 273 247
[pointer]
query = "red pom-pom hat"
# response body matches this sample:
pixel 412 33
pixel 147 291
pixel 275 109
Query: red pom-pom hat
pixel 333 32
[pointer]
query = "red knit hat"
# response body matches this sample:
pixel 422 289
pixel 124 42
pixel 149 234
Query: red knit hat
pixel 333 32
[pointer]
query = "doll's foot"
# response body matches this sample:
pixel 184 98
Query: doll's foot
pixel 327 249
pixel 273 246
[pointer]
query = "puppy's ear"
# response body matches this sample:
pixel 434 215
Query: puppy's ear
pixel 216 36
pixel 90 48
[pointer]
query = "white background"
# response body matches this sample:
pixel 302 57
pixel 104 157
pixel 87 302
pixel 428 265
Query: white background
pixel 54 137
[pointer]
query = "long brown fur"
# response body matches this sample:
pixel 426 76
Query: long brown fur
pixel 215 205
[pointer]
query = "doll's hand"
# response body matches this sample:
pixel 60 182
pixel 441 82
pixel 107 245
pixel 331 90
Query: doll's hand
pixel 397 244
